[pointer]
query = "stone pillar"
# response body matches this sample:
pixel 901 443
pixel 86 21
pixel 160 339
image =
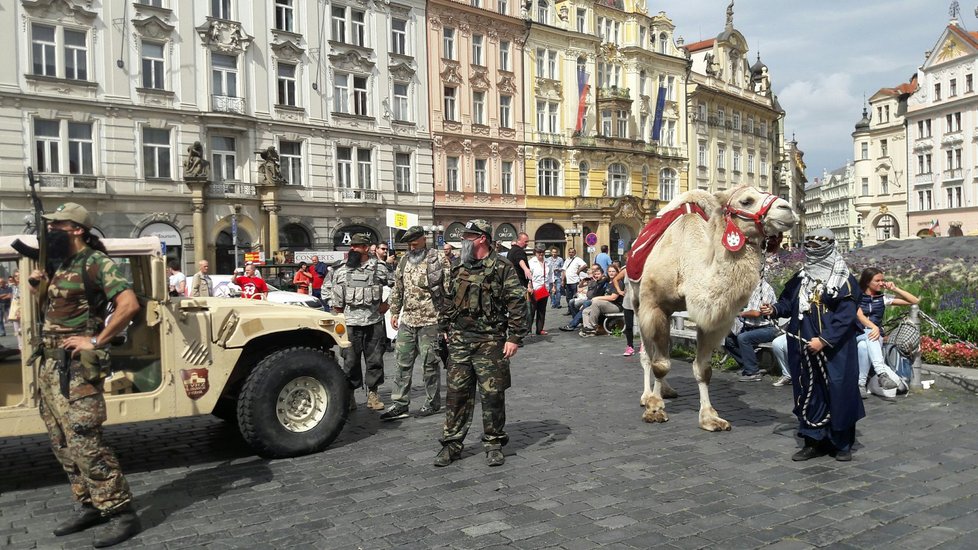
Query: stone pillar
pixel 604 234
pixel 273 244
pixel 200 241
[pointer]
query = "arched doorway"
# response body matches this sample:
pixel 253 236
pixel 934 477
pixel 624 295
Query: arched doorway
pixel 224 249
pixel 926 233
pixel 622 238
pixel 294 237
pixel 506 234
pixel 551 235
pixel 169 236
pixel 887 228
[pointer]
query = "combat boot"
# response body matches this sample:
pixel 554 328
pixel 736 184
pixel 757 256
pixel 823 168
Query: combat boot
pixel 373 401
pixel 87 516
pixel 447 455
pixel 495 457
pixel 123 525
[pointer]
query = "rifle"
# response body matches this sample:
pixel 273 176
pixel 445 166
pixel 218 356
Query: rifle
pixel 41 252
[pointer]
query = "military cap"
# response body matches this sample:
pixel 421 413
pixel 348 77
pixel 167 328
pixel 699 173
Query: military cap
pixel 360 239
pixel 478 227
pixel 412 233
pixel 71 212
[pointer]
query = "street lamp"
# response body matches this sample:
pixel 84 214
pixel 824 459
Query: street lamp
pixel 572 233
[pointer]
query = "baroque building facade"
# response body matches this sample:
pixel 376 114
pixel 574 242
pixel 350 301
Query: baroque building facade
pixel 107 100
pixel 475 59
pixel 881 177
pixel 792 188
pixel 606 137
pixel 941 138
pixel 736 134
pixel 832 206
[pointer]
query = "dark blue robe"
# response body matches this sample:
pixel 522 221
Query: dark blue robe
pixel 834 320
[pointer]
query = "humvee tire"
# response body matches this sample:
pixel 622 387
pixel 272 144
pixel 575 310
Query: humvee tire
pixel 293 403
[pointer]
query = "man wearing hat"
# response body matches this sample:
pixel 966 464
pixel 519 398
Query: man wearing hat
pixel 72 366
pixel 486 322
pixel 358 293
pixel 418 296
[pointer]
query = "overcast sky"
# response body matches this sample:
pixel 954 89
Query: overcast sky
pixel 823 55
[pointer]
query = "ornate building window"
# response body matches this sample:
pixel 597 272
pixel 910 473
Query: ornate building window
pixel 285 15
pixel 156 153
pixel 402 109
pixel 481 176
pixel 477 41
pixel 224 163
pixel 617 179
pixel 290 160
pixel 451 175
pixel 506 177
pixel 548 177
pixel 583 173
pixel 286 84
pixel 399 36
pixel 58 141
pixel 46 40
pixel 153 66
pixel 667 184
pixel 402 172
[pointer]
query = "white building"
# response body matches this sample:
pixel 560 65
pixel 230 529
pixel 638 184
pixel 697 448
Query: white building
pixel 104 99
pixel 836 207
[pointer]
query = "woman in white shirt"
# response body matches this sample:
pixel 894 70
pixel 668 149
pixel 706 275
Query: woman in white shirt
pixel 538 289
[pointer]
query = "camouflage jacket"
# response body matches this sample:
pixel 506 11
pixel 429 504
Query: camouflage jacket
pixel 359 292
pixel 67 310
pixel 486 301
pixel 412 299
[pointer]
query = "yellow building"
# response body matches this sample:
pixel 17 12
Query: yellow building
pixel 598 161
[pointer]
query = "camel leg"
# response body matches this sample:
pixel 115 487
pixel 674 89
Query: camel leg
pixel 655 336
pixel 705 344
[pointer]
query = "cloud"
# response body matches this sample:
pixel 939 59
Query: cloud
pixel 823 111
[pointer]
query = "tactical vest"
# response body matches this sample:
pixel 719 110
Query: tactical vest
pixel 362 289
pixel 473 294
pixel 436 277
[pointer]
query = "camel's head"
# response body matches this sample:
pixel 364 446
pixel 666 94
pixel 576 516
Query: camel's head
pixel 754 215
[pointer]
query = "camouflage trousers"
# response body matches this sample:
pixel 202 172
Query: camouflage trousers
pixel 75 428
pixel 411 343
pixel 475 365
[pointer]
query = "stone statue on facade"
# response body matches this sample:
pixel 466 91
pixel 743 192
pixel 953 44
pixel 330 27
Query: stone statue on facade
pixel 194 166
pixel 269 171
pixel 730 14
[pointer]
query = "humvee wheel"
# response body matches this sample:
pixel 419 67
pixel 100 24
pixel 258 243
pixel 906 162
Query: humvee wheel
pixel 293 403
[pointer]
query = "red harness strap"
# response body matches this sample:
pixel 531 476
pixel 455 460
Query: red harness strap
pixel 651 234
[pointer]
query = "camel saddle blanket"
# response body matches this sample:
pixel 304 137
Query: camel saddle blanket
pixel 651 234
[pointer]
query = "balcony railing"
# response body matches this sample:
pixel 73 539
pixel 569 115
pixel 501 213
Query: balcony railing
pixel 231 189
pixel 71 182
pixel 553 139
pixel 924 178
pixel 614 92
pixel 228 104
pixel 357 195
pixel 953 174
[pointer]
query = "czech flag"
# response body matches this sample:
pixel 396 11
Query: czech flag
pixel 582 89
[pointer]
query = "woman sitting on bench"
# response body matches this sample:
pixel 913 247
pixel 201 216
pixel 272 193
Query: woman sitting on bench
pixel 610 302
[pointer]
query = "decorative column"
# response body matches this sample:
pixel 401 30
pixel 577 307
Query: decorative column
pixel 200 242
pixel 604 234
pixel 273 244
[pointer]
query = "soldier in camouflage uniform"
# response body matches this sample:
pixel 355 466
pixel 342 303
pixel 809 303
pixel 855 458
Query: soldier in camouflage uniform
pixel 418 295
pixel 358 287
pixel 486 320
pixel 73 363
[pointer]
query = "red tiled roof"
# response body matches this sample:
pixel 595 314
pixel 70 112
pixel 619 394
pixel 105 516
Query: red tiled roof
pixel 701 45
pixel 905 88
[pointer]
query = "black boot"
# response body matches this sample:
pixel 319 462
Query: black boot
pixel 123 525
pixel 87 517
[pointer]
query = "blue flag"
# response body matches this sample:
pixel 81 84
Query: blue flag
pixel 660 106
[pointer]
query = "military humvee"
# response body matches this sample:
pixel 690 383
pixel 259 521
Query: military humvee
pixel 268 367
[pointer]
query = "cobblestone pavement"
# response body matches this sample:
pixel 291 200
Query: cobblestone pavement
pixel 582 471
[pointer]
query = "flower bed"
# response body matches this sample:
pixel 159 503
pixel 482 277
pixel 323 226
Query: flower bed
pixel 933 351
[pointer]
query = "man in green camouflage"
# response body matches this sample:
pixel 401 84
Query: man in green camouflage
pixel 486 320
pixel 358 293
pixel 418 296
pixel 73 363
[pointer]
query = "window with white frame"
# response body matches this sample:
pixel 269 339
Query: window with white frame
pixel 721 157
pixel 864 150
pixel 606 123
pixel 348 25
pixel 925 200
pixel 47 145
pixel 721 115
pixel 156 153
pixel 502 6
pixel 477 43
pixel 360 96
pixel 341 93
pixel 451 175
pixel 553 113
pixel 481 176
pixel 476 3
pixel 750 125
pixel 581 19
pixel 953 122
pixel 286 84
pixel 764 129
pixel 285 15
pixel 345 176
pixel 621 125
pixel 153 65
pixel 670 87
pixel 402 172
pixel 350 94
pixel 663 42
pixel 884 148
pixel 224 75
pixel 547 114
pixel 81 148
pixel 479 107
pixel 221 9
pixel 701 111
pixel 543 11
pixel 865 186
pixel 884 185
pixel 505 111
pixel 449 108
pixel 701 155
pixel 763 165
pixel 506 177
pixel 224 158
pixel 617 179
pixel 736 121
pixel 669 133
pixel 448 43
pixel 583 174
pixel 667 184
pixel 548 177
pixel 641 37
pixel 953 195
pixel 504 47
pixel 736 160
pixel 750 162
pixel 923 128
pixel 402 109
pixel 546 63
pixel 952 88
pixel 45 42
pixel 643 127
pixel 399 36
pixel 290 161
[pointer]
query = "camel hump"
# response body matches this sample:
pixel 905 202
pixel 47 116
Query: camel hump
pixel 706 200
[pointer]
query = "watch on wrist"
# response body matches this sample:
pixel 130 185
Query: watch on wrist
pixel 94 341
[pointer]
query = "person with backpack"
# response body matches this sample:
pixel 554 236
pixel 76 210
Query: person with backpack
pixel 417 297
pixel 872 307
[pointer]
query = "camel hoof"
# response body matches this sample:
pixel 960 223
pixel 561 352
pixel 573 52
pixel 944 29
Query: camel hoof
pixel 715 424
pixel 657 416
pixel 669 393
pixel 644 400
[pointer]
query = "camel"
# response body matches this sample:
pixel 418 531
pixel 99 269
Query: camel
pixel 708 267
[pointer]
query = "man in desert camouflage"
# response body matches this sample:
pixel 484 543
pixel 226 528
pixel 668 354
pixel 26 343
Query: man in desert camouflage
pixel 486 319
pixel 417 297
pixel 73 363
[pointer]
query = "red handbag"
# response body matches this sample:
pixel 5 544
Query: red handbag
pixel 540 293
